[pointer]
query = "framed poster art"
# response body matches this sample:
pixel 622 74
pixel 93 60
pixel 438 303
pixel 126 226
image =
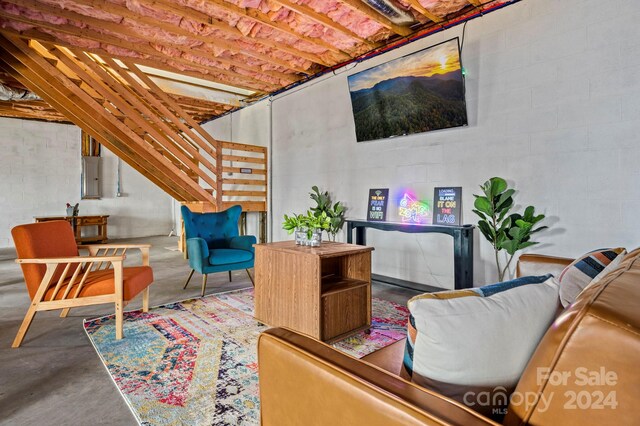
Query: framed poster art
pixel 377 206
pixel 447 206
pixel 416 93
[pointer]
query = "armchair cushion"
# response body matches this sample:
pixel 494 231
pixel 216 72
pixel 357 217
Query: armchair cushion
pixel 98 283
pixel 229 256
pixel 243 242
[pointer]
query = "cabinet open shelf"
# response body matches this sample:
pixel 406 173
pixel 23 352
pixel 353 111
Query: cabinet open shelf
pixel 324 292
pixel 333 284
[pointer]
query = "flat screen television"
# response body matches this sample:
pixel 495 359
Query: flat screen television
pixel 419 92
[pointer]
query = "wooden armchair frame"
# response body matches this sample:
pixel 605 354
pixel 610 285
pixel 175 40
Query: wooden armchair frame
pixel 101 257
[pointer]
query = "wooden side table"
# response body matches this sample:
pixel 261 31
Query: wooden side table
pixel 78 222
pixel 324 292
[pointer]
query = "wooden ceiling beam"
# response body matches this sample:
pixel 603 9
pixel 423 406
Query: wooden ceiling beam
pixel 231 45
pixel 476 3
pixel 170 68
pixel 157 64
pixel 249 83
pixel 205 19
pixel 10 110
pixel 66 97
pixel 205 103
pixel 359 6
pixel 196 105
pixel 415 4
pixel 125 30
pixel 324 20
pixel 248 13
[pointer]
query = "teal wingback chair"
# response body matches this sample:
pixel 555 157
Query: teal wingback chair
pixel 213 243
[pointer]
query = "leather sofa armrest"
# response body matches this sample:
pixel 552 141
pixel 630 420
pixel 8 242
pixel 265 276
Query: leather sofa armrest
pixel 539 264
pixel 304 381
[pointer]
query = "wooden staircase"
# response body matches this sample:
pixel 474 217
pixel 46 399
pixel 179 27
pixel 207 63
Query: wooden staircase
pixel 123 109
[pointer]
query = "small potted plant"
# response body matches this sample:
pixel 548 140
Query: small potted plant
pixel 307 227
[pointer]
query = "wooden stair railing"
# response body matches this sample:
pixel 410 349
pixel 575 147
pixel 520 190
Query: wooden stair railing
pixel 123 109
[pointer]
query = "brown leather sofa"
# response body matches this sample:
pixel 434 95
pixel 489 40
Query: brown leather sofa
pixel 585 371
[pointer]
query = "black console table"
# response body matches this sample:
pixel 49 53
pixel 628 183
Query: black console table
pixel 462 245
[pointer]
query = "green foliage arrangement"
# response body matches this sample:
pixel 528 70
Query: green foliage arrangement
pixel 309 222
pixel 291 223
pixel 509 232
pixel 324 206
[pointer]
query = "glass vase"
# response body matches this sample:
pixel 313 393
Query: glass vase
pixel 302 237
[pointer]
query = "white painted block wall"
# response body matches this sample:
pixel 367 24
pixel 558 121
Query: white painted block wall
pixel 40 170
pixel 553 97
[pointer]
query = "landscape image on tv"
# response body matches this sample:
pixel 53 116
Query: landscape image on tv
pixel 417 93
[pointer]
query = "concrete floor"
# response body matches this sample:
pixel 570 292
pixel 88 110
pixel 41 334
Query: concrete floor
pixel 56 377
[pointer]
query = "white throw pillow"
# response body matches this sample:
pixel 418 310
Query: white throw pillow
pixel 480 337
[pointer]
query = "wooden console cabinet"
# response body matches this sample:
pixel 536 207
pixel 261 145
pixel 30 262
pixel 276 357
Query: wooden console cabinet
pixel 79 222
pixel 324 292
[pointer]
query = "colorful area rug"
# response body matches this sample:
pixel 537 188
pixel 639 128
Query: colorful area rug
pixel 195 362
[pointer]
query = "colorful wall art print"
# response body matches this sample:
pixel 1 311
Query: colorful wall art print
pixel 447 203
pixel 417 93
pixel 377 208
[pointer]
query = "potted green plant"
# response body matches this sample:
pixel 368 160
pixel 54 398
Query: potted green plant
pixel 509 232
pixel 307 227
pixel 324 205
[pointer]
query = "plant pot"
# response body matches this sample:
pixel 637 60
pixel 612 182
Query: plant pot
pixel 302 237
pixel 69 211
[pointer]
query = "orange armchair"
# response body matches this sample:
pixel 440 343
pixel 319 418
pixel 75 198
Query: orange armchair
pixel 57 277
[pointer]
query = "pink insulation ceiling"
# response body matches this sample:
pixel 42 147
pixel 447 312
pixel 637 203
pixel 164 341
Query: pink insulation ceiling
pixel 257 45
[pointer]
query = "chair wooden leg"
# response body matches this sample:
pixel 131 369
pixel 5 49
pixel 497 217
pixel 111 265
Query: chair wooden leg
pixel 230 280
pixel 188 278
pixel 250 277
pixel 24 327
pixel 145 300
pixel 119 315
pixel 64 312
pixel 204 283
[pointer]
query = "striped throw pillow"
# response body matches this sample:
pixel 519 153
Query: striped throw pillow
pixel 591 267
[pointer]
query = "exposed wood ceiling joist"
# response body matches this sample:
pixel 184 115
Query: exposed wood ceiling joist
pixel 247 47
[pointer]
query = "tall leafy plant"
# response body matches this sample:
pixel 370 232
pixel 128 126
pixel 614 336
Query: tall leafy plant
pixel 505 231
pixel 324 205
